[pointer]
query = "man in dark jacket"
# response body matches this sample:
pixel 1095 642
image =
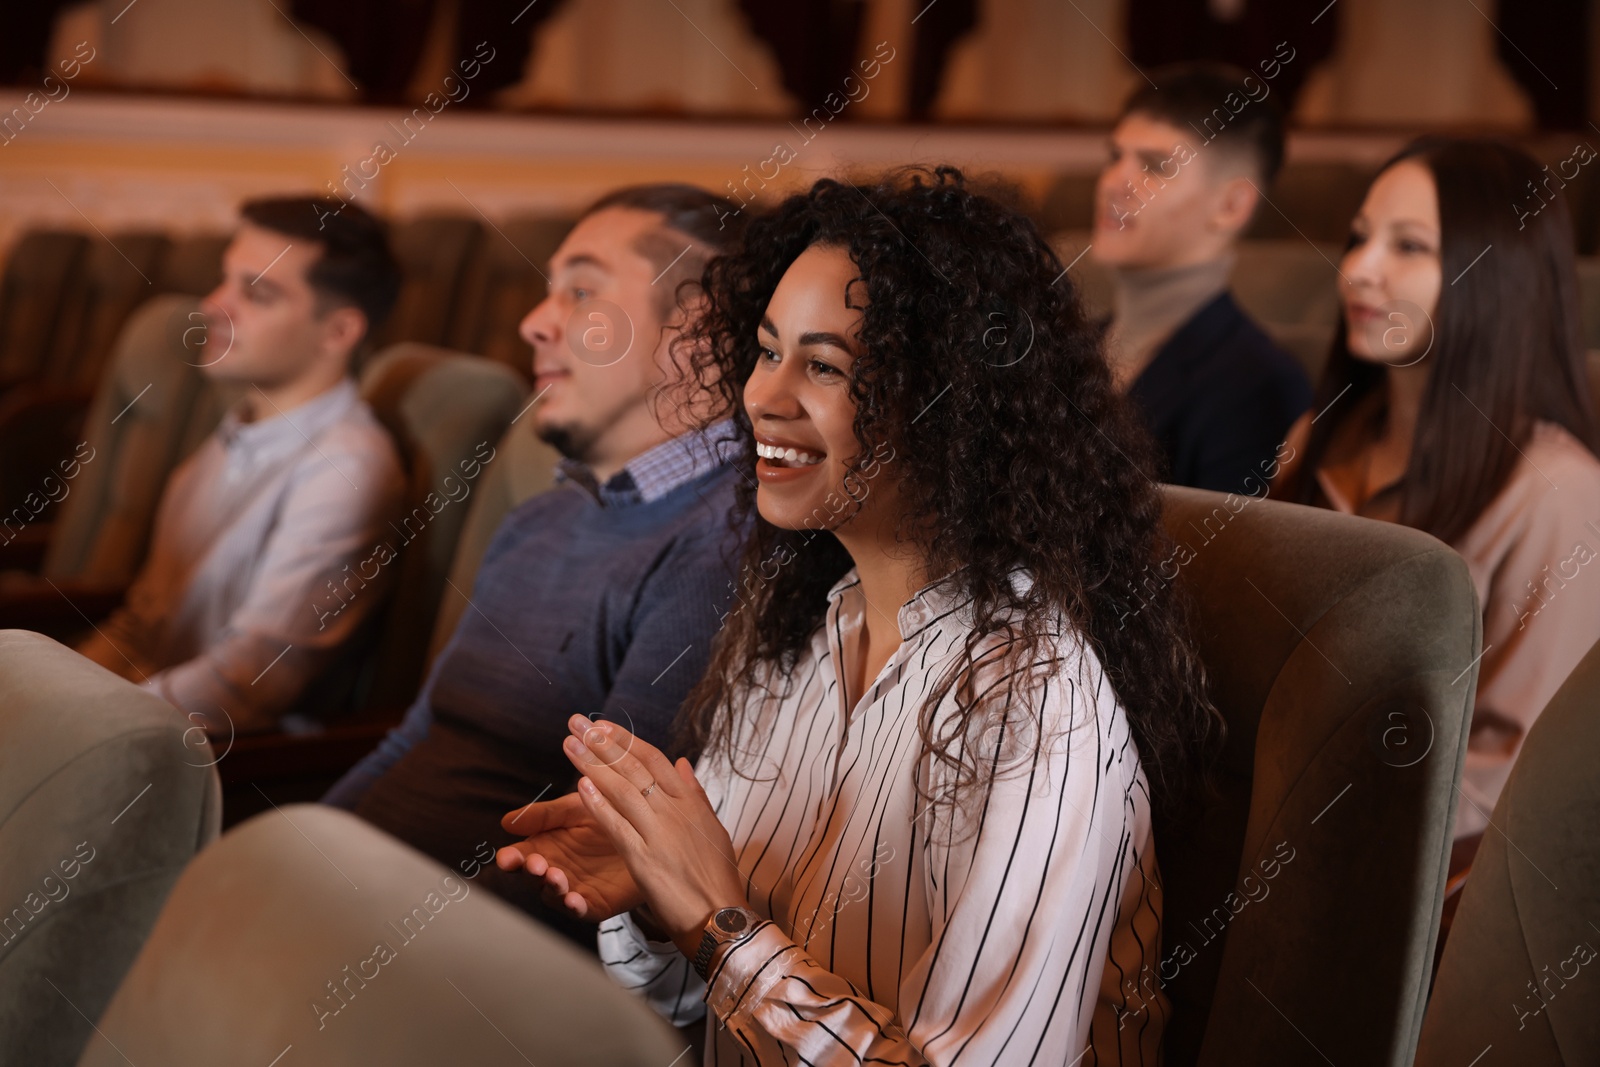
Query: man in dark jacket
pixel 1189 161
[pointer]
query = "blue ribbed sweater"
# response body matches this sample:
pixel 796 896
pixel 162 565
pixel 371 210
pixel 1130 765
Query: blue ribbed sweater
pixel 577 608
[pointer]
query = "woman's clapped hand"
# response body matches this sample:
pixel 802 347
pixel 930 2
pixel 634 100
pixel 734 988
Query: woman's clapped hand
pixel 581 872
pixel 660 822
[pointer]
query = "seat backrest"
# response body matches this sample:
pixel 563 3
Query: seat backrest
pixel 119 274
pixel 152 408
pixel 106 791
pixel 523 467
pixel 1312 201
pixel 1302 897
pixel 505 280
pixel 433 251
pixel 1589 299
pixel 446 410
pixel 1578 184
pixel 1069 202
pixel 1287 282
pixel 306 929
pixel 40 269
pixel 1526 929
pixel 193 264
pixel 1310 345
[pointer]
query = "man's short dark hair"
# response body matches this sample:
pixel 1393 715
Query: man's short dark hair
pixel 357 266
pixel 713 222
pixel 1196 96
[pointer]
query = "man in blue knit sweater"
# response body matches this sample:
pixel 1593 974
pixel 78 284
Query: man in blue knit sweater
pixel 600 596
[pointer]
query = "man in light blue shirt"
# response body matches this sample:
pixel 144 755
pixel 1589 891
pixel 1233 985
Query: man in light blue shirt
pixel 297 482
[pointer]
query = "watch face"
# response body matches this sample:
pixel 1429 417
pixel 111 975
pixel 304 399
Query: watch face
pixel 731 921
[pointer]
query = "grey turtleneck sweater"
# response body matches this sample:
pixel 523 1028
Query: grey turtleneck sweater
pixel 1150 304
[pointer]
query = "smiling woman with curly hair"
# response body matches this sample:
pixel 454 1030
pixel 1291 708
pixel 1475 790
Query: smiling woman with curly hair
pixel 919 827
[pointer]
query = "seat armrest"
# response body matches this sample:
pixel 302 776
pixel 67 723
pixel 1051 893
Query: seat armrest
pixel 31 602
pixel 25 551
pixel 277 755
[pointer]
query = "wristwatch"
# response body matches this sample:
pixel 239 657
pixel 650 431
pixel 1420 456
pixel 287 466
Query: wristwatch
pixel 728 926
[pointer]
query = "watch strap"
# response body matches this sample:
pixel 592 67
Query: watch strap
pixel 702 958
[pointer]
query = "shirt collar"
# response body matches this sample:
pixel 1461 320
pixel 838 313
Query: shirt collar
pixel 274 428
pixel 654 473
pixel 933 601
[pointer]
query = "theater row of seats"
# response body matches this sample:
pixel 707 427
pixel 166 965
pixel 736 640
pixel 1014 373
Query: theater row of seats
pixel 153 406
pixel 65 297
pixel 63 300
pixel 1301 902
pixel 65 294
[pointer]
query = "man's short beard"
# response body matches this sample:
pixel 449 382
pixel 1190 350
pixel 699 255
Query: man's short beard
pixel 571 441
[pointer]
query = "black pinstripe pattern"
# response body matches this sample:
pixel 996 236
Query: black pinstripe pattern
pixel 902 936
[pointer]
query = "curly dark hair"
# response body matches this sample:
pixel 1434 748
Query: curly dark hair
pixel 979 370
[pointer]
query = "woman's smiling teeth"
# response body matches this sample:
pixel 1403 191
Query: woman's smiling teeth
pixel 786 457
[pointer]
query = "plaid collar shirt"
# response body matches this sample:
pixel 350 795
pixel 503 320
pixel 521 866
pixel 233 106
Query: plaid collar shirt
pixel 654 473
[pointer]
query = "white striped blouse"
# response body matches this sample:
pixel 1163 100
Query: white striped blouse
pixel 903 937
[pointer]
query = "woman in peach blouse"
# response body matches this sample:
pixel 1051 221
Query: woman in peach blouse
pixel 1455 401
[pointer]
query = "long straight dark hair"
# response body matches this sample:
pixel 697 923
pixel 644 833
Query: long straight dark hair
pixel 1507 339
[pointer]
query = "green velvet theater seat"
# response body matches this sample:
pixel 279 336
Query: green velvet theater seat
pixel 1520 979
pixel 151 409
pixel 106 791
pixel 524 467
pixel 446 409
pixel 1302 898
pixel 307 937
